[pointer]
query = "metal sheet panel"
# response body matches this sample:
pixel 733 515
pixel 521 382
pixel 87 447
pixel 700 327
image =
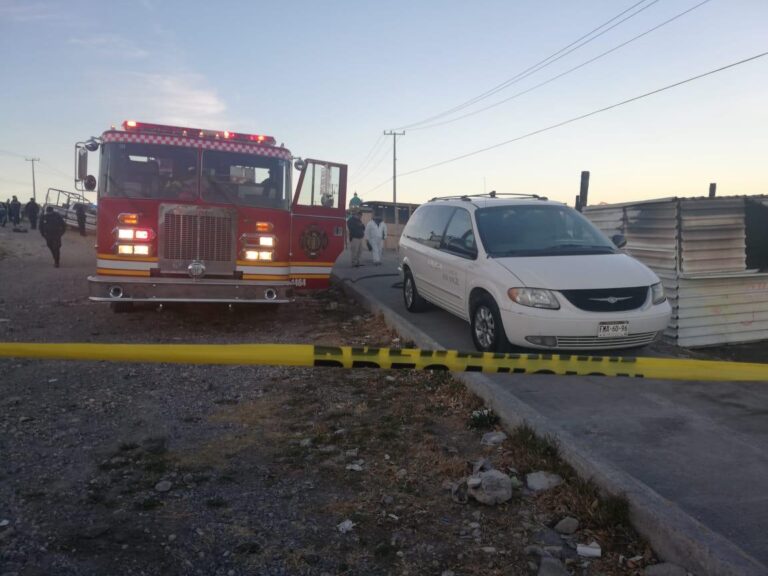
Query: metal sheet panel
pixel 712 235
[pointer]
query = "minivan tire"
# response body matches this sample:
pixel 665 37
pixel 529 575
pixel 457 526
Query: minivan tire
pixel 487 328
pixel 411 297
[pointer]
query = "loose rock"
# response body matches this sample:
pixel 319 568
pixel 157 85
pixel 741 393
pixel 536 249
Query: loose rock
pixel 567 525
pixel 495 487
pixel 493 438
pixel 540 481
pixel 163 486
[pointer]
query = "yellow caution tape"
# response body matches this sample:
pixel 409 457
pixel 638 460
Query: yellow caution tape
pixel 393 359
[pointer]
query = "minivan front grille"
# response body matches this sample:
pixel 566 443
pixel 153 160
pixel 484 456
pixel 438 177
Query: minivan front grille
pixel 607 299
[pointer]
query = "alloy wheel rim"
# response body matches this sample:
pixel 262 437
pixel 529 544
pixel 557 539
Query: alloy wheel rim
pixel 408 291
pixel 485 327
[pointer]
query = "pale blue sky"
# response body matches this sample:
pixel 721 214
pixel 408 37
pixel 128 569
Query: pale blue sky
pixel 326 78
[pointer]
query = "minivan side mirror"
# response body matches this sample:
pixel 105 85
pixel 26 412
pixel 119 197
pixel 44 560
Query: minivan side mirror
pixel 619 240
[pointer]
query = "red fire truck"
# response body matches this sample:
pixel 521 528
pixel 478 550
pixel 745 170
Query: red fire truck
pixel 190 215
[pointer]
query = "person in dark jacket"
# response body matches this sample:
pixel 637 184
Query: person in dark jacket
pixel 14 211
pixel 32 211
pixel 80 211
pixel 52 228
pixel 3 213
pixel 356 232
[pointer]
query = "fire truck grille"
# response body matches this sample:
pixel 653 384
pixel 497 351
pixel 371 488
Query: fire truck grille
pixel 197 233
pixel 197 237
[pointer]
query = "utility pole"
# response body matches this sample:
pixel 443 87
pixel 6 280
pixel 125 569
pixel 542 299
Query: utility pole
pixel 394 169
pixel 33 160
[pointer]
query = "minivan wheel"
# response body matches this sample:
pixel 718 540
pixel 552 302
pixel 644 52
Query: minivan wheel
pixel 487 329
pixel 413 301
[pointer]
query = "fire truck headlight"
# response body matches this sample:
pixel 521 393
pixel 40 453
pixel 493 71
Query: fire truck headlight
pixel 141 234
pixel 142 250
pixel 125 233
pixel 251 255
pixel 265 255
pixel 267 241
pixel 124 249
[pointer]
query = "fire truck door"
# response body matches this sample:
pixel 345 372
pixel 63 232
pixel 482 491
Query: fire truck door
pixel 318 221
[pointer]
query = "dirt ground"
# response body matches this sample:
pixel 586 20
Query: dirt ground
pixel 149 469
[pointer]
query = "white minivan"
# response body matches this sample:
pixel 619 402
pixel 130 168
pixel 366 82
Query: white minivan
pixel 531 272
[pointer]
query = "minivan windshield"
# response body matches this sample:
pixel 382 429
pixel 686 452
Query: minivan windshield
pixel 538 230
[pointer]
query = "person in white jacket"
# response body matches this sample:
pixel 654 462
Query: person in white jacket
pixel 375 234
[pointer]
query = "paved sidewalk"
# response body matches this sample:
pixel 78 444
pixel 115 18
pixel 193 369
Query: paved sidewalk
pixel 692 457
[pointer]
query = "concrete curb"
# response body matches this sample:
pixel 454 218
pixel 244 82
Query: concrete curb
pixel 675 536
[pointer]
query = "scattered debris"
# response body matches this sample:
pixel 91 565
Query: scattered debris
pixel 591 550
pixel 345 526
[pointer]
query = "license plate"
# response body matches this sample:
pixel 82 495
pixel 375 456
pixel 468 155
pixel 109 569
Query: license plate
pixel 612 329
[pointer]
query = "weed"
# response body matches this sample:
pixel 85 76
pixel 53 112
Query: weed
pixel 536 451
pixel 483 419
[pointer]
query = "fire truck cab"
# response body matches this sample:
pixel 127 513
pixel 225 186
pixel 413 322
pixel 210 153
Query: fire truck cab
pixel 190 215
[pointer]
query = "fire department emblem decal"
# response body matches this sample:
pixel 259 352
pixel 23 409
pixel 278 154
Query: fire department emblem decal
pixel 313 240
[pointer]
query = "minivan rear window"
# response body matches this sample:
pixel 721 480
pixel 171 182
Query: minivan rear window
pixel 532 230
pixel 427 225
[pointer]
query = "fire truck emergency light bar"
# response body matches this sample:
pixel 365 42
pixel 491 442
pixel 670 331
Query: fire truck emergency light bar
pixel 162 129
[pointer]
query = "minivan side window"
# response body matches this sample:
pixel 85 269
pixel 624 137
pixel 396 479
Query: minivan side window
pixel 428 225
pixel 459 237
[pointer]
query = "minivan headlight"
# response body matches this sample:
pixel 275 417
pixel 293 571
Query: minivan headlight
pixel 657 293
pixel 534 297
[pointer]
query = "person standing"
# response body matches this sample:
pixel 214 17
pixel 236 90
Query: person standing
pixel 355 202
pixel 80 211
pixel 52 228
pixel 356 233
pixel 32 211
pixel 375 234
pixel 14 211
pixel 3 213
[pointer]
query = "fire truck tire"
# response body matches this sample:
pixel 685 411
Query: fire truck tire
pixel 121 307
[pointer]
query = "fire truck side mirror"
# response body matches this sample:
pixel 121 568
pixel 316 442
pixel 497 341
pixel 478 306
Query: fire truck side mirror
pixel 90 183
pixel 82 163
pixel 299 164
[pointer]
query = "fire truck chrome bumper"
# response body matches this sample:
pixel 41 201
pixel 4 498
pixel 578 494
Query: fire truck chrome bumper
pixel 122 289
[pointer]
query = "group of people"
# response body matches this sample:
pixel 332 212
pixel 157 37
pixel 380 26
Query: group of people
pixel 374 233
pixel 11 211
pixel 51 224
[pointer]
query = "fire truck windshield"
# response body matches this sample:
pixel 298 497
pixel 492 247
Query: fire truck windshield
pixel 134 170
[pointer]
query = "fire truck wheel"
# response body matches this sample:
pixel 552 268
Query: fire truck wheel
pixel 121 307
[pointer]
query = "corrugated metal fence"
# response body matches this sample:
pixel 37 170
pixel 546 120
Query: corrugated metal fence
pixel 698 247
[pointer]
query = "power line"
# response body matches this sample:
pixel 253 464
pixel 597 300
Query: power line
pixel 558 76
pixel 372 167
pixel 539 65
pixel 577 118
pixel 371 152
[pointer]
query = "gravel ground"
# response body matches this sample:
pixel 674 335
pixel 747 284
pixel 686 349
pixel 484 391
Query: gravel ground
pixel 146 469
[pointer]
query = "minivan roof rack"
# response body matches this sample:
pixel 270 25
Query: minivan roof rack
pixel 491 194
